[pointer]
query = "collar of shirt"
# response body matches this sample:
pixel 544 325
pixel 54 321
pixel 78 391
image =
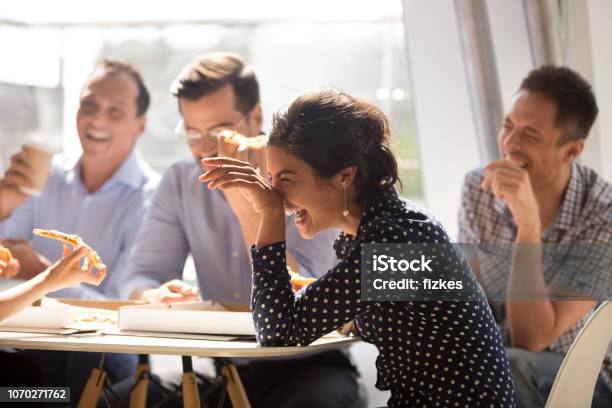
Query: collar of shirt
pixel 130 173
pixel 380 206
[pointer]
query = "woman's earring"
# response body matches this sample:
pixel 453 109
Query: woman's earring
pixel 345 212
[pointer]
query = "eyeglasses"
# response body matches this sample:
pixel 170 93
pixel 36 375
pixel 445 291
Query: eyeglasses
pixel 194 137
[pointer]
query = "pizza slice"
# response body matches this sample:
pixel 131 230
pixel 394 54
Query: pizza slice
pixel 244 142
pixel 73 240
pixel 6 255
pixel 298 281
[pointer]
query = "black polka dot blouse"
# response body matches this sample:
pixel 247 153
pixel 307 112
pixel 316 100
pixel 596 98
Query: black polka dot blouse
pixel 431 353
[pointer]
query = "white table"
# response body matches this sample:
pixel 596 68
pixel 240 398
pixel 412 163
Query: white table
pixel 104 343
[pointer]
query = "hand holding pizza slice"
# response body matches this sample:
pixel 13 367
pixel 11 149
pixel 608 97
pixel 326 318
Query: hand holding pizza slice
pixel 75 241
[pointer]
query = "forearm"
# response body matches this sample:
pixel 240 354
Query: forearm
pixel 284 319
pixel 157 255
pixel 135 288
pixel 17 298
pixel 272 298
pixel 531 315
pixel 4 215
pixel 15 217
pixel 5 210
pixel 248 218
pixel 271 228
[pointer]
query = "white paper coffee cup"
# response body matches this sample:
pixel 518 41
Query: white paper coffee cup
pixel 39 157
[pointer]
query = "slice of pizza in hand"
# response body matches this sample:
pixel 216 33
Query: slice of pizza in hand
pixel 244 142
pixel 6 255
pixel 73 240
pixel 6 269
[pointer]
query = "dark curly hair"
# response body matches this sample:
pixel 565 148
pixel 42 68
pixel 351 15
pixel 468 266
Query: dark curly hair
pixel 331 130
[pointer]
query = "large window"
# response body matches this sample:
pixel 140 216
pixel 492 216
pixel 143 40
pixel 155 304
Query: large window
pixel 364 57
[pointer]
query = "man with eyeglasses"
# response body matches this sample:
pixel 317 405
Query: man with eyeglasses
pixel 219 93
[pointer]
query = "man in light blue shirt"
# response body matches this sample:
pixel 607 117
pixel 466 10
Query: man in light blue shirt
pixel 103 198
pixel 107 219
pixel 216 93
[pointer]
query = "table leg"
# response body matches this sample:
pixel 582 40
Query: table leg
pixel 235 389
pixel 191 395
pixel 138 396
pixel 94 386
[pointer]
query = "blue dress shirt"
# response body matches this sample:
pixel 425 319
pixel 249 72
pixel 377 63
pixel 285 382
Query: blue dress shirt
pixel 107 219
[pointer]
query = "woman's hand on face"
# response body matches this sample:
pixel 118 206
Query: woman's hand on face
pixel 228 173
pixel 69 272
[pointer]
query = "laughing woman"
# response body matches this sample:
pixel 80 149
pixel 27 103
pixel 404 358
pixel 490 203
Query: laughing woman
pixel 331 165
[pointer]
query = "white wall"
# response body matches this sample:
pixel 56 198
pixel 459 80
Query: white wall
pixel 511 44
pixel 580 57
pixel 442 105
pixel 600 16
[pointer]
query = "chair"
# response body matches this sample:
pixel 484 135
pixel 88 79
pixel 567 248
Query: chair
pixel 575 381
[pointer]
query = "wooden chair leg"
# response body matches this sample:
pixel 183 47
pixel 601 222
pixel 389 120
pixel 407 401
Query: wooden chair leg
pixel 138 397
pixel 191 394
pixel 235 389
pixel 92 390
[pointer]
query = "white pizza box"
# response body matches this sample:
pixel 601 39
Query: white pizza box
pixel 45 316
pixel 191 317
pixel 54 313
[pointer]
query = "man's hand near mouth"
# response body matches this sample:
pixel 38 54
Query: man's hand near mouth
pixel 507 180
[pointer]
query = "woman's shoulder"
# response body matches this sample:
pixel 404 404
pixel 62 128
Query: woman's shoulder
pixel 390 218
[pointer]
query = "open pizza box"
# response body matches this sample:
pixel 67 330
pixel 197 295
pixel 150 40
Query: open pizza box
pixel 42 316
pixel 65 316
pixel 209 318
